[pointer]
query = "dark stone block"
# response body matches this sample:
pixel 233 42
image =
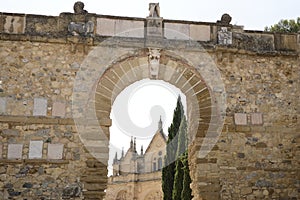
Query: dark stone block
pixel 254 42
pixel 263 183
pixel 8 185
pixel 287 161
pixel 261 145
pixel 23 172
pixel 41 25
pixel 13 193
pixel 241 155
pixel 71 191
pixel 27 185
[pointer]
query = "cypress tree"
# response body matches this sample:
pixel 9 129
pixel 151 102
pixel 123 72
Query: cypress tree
pixel 168 170
pixel 186 193
pixel 179 172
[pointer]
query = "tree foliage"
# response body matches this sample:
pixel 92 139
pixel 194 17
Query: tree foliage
pixel 186 193
pixel 285 26
pixel 168 170
pixel 177 173
pixel 178 179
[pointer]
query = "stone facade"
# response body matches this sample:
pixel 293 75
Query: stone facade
pixel 242 98
pixel 138 176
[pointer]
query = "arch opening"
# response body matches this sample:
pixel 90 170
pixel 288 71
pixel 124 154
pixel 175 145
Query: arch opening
pixel 203 99
pixel 138 112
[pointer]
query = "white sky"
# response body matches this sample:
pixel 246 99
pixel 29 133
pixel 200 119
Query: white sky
pixel 139 107
pixel 253 14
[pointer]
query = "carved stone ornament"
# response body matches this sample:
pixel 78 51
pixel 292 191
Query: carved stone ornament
pixel 154 21
pixel 154 27
pixel 224 36
pixel 226 19
pixel 78 8
pixel 154 57
pixel 80 28
pixel 154 10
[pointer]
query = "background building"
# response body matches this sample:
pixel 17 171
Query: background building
pixel 138 175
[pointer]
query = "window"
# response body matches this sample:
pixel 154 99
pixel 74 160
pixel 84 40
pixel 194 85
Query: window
pixel 154 166
pixel 159 163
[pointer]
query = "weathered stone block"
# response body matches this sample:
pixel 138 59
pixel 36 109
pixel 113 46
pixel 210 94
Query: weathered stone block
pixel 105 27
pixel 55 151
pixel 240 118
pixel 246 190
pixel 59 109
pixel 256 118
pixel 129 28
pixel 41 25
pixel 14 24
pixel 177 31
pixel 286 42
pixel 120 27
pixel 2 105
pixel 35 149
pixel 14 151
pixel 43 132
pixel 40 107
pixel 10 133
pixel 154 27
pixel 200 32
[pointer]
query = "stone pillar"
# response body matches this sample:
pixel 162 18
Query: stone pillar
pixel 154 26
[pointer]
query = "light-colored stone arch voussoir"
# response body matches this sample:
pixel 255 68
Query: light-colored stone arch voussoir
pixel 134 68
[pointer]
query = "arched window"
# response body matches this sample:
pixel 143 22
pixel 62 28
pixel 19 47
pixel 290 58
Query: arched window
pixel 159 163
pixel 154 166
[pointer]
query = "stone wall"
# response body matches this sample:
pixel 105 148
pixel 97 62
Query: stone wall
pixel 37 85
pixel 35 101
pixel 256 156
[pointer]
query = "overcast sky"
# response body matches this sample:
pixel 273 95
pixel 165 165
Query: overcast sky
pixel 254 14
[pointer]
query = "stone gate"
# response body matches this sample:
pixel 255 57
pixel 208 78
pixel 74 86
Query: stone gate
pixel 59 76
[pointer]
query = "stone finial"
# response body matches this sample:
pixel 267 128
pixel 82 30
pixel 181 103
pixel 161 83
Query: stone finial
pixel 80 27
pixel 154 57
pixel 115 161
pixel 225 19
pixel 154 10
pixel 142 150
pixel 78 8
pixel 160 124
pixel 131 143
pixel 134 145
